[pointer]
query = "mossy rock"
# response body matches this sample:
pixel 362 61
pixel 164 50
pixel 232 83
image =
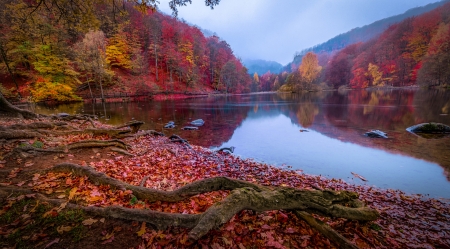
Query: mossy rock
pixel 429 130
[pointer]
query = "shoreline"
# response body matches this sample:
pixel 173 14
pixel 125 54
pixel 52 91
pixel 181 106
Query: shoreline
pixel 172 165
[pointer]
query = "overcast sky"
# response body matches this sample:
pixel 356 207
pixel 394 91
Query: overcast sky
pixel 276 29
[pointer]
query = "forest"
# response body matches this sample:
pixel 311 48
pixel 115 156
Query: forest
pixel 415 51
pixel 57 50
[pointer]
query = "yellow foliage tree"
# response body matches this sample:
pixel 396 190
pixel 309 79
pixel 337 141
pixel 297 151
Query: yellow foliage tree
pixel 310 69
pixel 377 76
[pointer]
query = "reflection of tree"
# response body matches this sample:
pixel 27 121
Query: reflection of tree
pixel 432 105
pixel 373 102
pixel 306 114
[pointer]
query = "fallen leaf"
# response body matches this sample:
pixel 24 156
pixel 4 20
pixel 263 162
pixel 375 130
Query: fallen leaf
pixel 108 240
pixel 89 222
pixel 61 196
pixel 72 192
pixel 29 164
pixel 142 230
pixel 62 229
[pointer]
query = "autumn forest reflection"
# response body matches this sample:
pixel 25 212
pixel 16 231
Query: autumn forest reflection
pixel 267 127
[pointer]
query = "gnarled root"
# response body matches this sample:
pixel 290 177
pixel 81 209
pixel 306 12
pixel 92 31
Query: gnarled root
pixel 64 149
pixel 244 195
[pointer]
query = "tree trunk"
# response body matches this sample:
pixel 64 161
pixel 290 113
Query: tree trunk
pixel 5 59
pixel 8 109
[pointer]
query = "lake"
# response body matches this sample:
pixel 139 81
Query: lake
pixel 319 133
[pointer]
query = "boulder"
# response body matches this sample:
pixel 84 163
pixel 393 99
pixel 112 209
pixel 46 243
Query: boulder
pixel 429 128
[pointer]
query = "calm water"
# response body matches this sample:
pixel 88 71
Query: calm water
pixel 267 127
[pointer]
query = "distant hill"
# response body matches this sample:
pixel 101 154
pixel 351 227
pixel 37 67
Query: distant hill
pixel 362 34
pixel 261 66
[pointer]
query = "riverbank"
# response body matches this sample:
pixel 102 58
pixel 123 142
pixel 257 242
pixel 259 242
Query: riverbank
pixel 156 162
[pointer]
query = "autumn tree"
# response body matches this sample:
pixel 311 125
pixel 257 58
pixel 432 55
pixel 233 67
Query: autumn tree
pixel 435 69
pixel 309 70
pixel 91 59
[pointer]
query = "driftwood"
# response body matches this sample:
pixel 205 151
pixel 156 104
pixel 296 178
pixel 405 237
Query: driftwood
pixel 244 196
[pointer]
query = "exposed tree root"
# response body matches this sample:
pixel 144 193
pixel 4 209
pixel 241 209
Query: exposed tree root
pixel 64 149
pixel 35 126
pixel 244 195
pixel 177 139
pixel 152 195
pixel 18 134
pixel 121 151
pixel 326 230
pixel 8 109
pixel 88 120
pixel 143 133
pixel 134 125
pixel 75 117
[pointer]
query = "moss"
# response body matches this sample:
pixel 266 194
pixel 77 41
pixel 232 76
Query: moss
pixel 38 144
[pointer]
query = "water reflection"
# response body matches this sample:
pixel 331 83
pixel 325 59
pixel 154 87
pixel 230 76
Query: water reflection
pixel 266 127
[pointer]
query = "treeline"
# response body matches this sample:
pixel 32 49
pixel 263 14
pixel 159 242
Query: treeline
pixel 362 34
pixel 51 48
pixel 415 51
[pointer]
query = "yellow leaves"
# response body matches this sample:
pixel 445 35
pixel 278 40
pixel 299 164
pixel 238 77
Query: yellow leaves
pixel 142 230
pixel 72 192
pixel 310 68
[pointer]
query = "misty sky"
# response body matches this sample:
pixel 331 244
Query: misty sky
pixel 276 29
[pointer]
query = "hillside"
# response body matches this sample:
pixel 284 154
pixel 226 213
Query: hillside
pixel 57 52
pixel 362 34
pixel 412 52
pixel 261 66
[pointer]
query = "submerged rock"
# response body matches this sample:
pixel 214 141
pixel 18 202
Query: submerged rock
pixel 430 130
pixel 376 134
pixel 62 115
pixel 169 125
pixel 198 122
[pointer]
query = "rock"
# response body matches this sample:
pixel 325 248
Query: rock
pixel 62 115
pixel 190 128
pixel 429 128
pixel 169 125
pixel 376 134
pixel 227 150
pixel 198 122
